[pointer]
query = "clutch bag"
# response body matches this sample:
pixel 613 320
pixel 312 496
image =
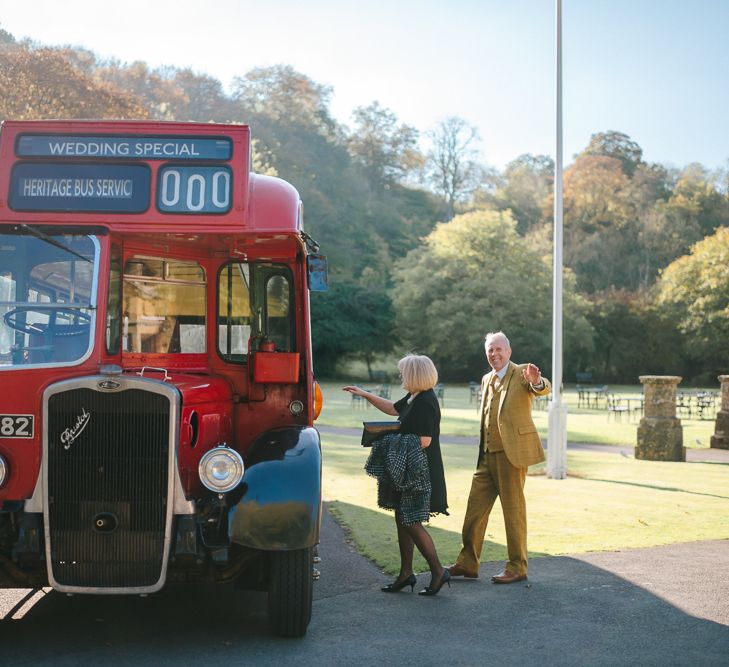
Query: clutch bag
pixel 373 430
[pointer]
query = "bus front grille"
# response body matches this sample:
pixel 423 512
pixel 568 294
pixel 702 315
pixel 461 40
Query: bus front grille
pixel 107 487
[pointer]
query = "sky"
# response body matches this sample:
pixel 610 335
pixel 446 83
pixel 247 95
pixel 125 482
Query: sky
pixel 656 70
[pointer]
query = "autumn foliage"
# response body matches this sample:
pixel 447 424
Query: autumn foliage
pixel 44 83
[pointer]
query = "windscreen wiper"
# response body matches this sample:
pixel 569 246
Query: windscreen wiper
pixel 50 240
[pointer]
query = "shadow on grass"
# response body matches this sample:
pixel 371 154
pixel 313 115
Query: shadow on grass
pixel 656 487
pixel 374 535
pixel 709 463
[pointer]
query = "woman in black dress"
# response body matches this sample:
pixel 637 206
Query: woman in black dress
pixel 419 414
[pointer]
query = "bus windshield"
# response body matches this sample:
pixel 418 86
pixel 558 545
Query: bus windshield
pixel 46 297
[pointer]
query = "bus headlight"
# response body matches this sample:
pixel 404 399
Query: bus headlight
pixel 3 470
pixel 221 469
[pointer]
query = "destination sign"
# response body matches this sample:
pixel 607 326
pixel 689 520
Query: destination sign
pixel 106 188
pixel 124 147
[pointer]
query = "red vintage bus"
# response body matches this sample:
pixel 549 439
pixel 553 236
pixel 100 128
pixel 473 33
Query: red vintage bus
pixel 157 391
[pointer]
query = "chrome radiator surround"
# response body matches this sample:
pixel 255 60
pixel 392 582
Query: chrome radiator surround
pixel 117 386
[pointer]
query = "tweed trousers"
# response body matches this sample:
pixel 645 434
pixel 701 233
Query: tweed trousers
pixel 495 477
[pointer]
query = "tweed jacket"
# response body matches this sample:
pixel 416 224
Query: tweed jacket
pixel 519 436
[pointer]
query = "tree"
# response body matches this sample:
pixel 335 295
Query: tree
pixel 282 94
pixel 6 37
pixel 475 274
pixel 599 236
pixel 623 351
pixel 386 150
pixel 694 292
pixel 593 194
pixel 616 145
pixel 44 83
pixel 161 96
pixel 350 322
pixel 526 185
pixel 622 227
pixel 203 100
pixel 696 199
pixel 451 166
pixel 647 191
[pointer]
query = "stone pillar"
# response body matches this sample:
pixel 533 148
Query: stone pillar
pixel 660 434
pixel 720 439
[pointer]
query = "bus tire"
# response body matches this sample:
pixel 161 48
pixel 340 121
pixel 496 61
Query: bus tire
pixel 290 589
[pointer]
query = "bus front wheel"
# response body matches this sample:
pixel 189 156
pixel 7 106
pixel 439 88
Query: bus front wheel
pixel 290 591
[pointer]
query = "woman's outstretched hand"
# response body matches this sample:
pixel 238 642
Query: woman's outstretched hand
pixel 382 404
pixel 353 389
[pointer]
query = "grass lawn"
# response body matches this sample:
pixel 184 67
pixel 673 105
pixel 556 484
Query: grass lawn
pixel 460 417
pixel 608 502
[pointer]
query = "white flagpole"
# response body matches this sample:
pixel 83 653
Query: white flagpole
pixel 557 430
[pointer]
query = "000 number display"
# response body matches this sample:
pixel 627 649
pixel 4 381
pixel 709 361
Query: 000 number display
pixel 194 189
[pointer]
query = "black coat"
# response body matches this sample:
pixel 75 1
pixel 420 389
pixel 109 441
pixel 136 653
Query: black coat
pixel 422 418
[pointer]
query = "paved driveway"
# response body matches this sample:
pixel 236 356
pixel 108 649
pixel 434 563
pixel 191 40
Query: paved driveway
pixel 659 606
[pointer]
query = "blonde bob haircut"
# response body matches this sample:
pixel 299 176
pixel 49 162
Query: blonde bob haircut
pixel 418 373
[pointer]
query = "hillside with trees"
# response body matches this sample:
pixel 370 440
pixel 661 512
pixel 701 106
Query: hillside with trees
pixel 428 247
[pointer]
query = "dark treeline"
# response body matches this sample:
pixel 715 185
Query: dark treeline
pixel 429 250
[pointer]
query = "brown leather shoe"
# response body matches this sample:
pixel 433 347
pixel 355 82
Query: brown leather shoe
pixel 507 578
pixel 457 570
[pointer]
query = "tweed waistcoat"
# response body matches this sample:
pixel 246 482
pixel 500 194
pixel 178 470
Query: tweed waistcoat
pixel 492 437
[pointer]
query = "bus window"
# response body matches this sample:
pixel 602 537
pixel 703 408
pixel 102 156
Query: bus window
pixel 163 306
pixel 7 296
pixel 278 311
pixel 113 305
pixel 45 297
pixel 234 311
pixel 254 300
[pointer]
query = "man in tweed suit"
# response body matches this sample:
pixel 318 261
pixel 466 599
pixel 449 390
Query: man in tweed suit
pixel 509 444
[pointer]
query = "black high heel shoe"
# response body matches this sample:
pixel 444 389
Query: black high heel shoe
pixel 445 579
pixel 396 586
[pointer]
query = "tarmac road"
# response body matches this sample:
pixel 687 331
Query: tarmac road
pixel 658 606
